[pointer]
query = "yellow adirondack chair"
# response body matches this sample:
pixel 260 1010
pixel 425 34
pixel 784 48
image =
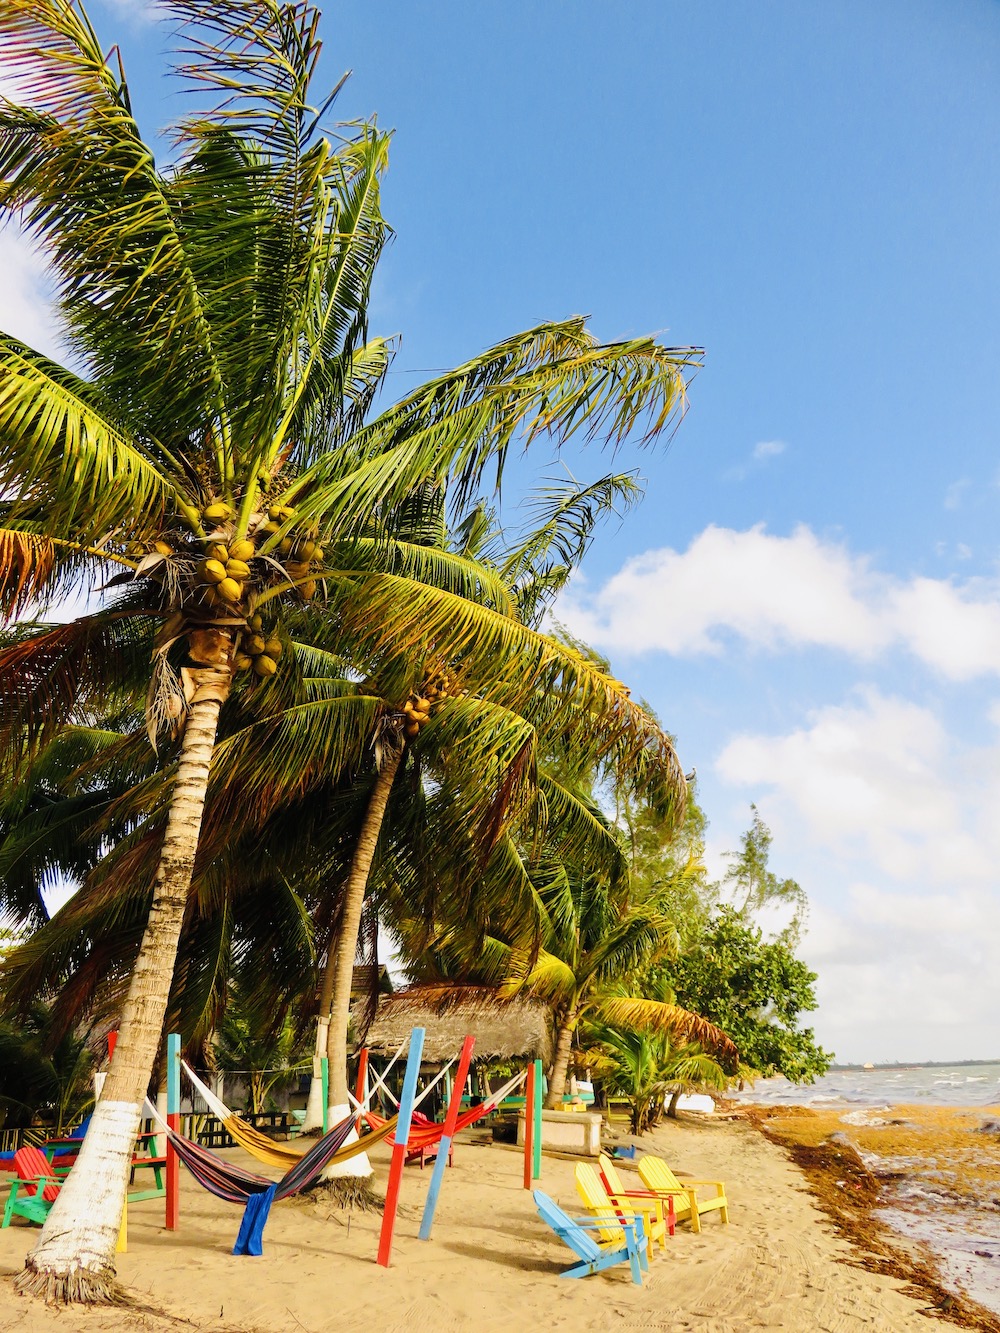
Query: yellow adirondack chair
pixel 617 1189
pixel 600 1204
pixel 659 1178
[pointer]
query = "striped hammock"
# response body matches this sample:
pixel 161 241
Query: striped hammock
pixel 235 1184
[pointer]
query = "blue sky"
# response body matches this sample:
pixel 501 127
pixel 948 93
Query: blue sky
pixel 808 594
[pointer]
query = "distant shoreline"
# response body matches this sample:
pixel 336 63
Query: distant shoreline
pixel 912 1064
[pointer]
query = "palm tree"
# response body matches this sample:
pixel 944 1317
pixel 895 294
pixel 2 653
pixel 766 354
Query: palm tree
pixel 595 937
pixel 219 438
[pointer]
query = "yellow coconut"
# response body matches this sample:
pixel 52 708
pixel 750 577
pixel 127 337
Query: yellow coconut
pixel 212 571
pixel 285 545
pixel 163 548
pixel 254 645
pixel 273 648
pixel 268 529
pixel 241 661
pixel 230 590
pixel 412 730
pixel 264 665
pixel 305 550
pixel 241 550
pixel 217 551
pixel 278 513
pixel 421 716
pixel 237 569
pixel 255 622
pixel 318 554
pixel 218 512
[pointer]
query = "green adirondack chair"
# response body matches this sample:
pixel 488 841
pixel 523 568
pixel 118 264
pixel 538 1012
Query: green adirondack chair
pixel 34 1191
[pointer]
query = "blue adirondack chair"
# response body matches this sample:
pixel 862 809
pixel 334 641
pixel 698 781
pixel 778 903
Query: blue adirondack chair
pixel 593 1256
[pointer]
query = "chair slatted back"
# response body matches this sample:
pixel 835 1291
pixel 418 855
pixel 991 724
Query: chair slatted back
pixel 582 1245
pixel 30 1163
pixel 590 1188
pixel 656 1175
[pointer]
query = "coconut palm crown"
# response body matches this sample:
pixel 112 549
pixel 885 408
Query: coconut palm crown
pixel 213 450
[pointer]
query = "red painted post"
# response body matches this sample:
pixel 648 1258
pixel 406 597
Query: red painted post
pixel 359 1091
pixel 400 1135
pixel 112 1043
pixel 529 1125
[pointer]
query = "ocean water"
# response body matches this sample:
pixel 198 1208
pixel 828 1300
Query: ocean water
pixel 939 1085
pixel 919 1196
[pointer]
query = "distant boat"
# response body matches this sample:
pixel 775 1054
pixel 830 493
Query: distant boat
pixel 868 1065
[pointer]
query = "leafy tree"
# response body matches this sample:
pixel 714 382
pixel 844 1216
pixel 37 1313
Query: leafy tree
pixel 750 885
pixel 222 452
pixel 755 989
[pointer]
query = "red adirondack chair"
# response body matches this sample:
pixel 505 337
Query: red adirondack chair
pixel 35 1190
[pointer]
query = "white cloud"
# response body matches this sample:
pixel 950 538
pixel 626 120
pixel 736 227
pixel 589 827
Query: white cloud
pixel 25 300
pixel 878 779
pixel 889 822
pixel 955 492
pixel 765 449
pixel 786 592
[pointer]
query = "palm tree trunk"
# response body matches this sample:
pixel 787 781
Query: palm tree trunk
pixel 560 1061
pixel 672 1108
pixel 345 947
pixel 73 1260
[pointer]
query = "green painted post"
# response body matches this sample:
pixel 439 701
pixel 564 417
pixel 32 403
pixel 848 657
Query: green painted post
pixel 536 1156
pixel 325 1068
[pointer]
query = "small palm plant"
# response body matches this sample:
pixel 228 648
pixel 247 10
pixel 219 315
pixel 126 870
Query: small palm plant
pixel 216 457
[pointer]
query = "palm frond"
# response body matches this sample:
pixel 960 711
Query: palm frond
pixel 656 1016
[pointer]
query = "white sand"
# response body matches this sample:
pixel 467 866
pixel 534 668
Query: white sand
pixel 492 1264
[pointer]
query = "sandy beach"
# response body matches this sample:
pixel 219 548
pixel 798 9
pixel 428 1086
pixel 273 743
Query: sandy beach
pixel 492 1265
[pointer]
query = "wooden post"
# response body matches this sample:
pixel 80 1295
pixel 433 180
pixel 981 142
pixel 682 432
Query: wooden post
pixel 536 1136
pixel 174 1121
pixel 324 1065
pixel 361 1088
pixel 444 1147
pixel 529 1124
pixel 400 1135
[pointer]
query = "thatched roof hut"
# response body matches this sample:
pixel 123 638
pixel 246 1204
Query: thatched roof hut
pixel 504 1029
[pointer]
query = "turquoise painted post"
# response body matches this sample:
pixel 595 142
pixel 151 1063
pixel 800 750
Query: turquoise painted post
pixel 444 1147
pixel 400 1135
pixel 174 1121
pixel 324 1065
pixel 536 1145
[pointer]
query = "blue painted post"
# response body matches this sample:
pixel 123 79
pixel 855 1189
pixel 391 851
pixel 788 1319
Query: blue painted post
pixel 444 1147
pixel 536 1143
pixel 400 1135
pixel 174 1121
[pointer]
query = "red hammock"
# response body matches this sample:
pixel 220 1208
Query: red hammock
pixel 424 1133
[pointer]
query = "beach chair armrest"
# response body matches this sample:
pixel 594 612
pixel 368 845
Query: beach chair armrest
pixel 699 1184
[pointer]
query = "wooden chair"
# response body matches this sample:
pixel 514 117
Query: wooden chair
pixel 659 1178
pixel 594 1256
pixel 617 1212
pixel 34 1191
pixel 618 1190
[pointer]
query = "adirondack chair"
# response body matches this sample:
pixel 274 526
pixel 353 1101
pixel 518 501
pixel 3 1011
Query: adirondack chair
pixel 618 1190
pixel 658 1177
pixel 593 1256
pixel 616 1212
pixel 34 1191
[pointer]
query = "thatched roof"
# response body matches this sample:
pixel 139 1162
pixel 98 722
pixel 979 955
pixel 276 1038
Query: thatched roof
pixel 503 1029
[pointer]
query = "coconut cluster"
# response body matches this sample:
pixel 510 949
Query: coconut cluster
pixel 218 584
pixel 417 709
pixel 257 649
